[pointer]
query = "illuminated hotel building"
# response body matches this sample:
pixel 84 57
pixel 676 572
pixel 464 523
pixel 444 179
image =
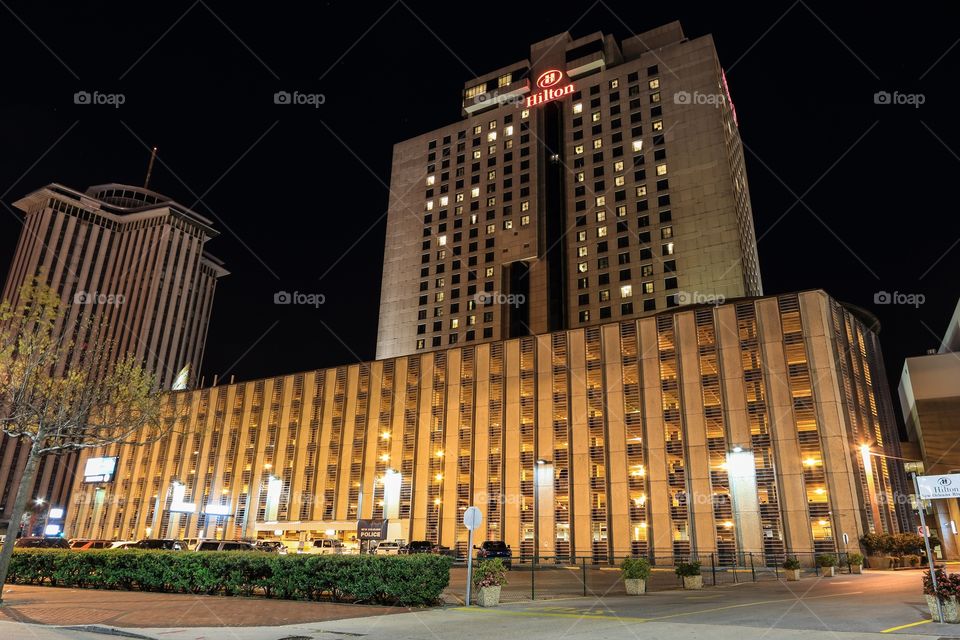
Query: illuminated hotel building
pixel 129 266
pixel 700 429
pixel 593 182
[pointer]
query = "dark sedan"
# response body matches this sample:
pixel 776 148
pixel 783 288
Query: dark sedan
pixel 495 549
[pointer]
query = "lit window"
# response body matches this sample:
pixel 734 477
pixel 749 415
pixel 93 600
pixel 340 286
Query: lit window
pixel 504 80
pixel 492 201
pixel 525 113
pixel 618 165
pixel 491 228
pixel 508 130
pixel 492 149
pixel 430 180
pixel 475 90
pixel 471 320
pixel 420 343
pixel 601 216
pixel 597 143
pixel 439 282
pixel 582 267
pixel 666 233
pixel 473 218
pixel 429 205
pixel 475 192
pixel 508 224
pixel 581 236
pixel 601 200
pixel 476 154
pixel 524 221
pixel 601 232
pixel 585 315
pixel 492 175
pixel 647 287
pixel 668 249
pixel 657 125
pixel 578 108
pixel 492 136
pixel 580 177
pixel 477 129
pixel 581 252
pixel 444 200
pixel 442 254
pixel 654 84
pixel 655 97
pixel 604 295
pixel 489 272
pixel 492 124
pixel 614 83
pixel 626 291
pixel 524 205
pixel 619 181
pixel 641 190
pixel 621 211
pixel 437 312
pixel 637 145
pixel 595 116
pixel 578 149
pixel 438 296
pixel 662 169
pixel 454 323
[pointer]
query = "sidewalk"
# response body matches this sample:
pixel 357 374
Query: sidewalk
pixel 134 609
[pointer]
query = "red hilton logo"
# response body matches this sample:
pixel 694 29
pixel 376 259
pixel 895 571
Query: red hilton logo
pixel 547 83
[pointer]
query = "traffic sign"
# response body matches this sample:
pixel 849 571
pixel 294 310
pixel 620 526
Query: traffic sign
pixel 472 518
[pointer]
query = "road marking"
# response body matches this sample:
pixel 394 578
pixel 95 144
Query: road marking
pixel 752 604
pixel 905 626
pixel 538 614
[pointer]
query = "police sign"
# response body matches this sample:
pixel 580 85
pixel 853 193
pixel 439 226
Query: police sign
pixel 934 487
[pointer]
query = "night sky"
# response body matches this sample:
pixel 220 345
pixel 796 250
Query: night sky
pixel 848 195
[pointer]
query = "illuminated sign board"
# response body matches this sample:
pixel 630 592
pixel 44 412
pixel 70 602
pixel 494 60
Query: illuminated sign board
pixel 99 469
pixel 217 509
pixel 177 505
pixel 550 89
pixel 55 513
pixel 51 530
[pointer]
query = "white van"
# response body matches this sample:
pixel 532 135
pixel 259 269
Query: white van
pixel 324 546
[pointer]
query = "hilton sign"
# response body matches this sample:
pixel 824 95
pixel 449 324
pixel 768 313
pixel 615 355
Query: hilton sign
pixel 547 83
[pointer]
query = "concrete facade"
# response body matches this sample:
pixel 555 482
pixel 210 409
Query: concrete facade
pixel 623 196
pixel 712 429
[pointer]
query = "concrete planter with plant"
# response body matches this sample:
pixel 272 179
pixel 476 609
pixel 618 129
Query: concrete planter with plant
pixel 690 573
pixel 855 560
pixel 635 574
pixel 828 564
pixel 791 568
pixel 488 577
pixel 948 589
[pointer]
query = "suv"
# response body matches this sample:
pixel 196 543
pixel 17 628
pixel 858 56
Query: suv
pixel 324 546
pixel 41 543
pixel 225 545
pixel 84 545
pixel 271 546
pixel 495 549
pixel 418 546
pixel 387 549
pixel 157 543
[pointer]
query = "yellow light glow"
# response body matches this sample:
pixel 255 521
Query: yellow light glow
pixel 330 532
pixel 811 462
pixel 638 471
pixel 728 525
pixel 820 491
pixel 439 454
pixel 438 477
pixel 643 525
pixel 385 435
pixel 385 457
pixel 437 502
pixel 267 466
pixel 822 523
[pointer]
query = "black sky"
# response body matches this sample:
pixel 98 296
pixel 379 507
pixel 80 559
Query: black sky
pixel 299 193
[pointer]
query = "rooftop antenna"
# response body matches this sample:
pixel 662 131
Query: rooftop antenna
pixel 153 156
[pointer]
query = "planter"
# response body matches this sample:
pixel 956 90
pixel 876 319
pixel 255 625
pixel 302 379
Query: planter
pixel 828 572
pixel 879 562
pixel 693 582
pixel 856 568
pixel 951 612
pixel 635 586
pixel 488 596
pixel 793 575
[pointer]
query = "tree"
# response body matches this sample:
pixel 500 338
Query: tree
pixel 96 401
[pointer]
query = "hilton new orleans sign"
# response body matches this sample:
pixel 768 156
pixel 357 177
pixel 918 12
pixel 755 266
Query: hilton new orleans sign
pixel 934 487
pixel 548 82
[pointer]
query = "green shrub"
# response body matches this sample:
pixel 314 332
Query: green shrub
pixel 854 559
pixel 635 568
pixel 413 580
pixel 877 544
pixel 826 560
pixel 791 564
pixel 686 569
pixel 489 573
pixel 907 543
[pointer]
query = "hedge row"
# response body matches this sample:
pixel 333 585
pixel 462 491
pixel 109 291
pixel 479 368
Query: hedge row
pixel 413 580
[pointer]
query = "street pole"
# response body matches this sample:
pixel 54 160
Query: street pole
pixel 469 565
pixel 926 544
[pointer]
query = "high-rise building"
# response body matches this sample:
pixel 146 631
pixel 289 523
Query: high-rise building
pixel 592 182
pixel 708 429
pixel 128 263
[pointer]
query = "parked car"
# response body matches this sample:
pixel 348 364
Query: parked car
pixel 385 548
pixel 85 545
pixel 166 544
pixel 495 549
pixel 41 543
pixel 123 544
pixel 271 546
pixel 324 546
pixel 418 546
pixel 225 545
